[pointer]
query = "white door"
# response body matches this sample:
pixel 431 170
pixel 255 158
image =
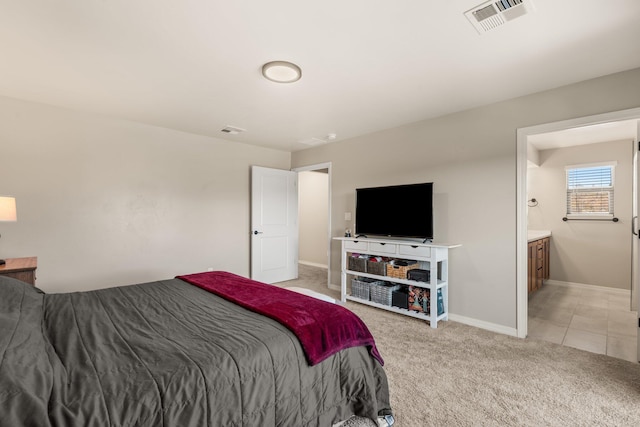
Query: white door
pixel 274 225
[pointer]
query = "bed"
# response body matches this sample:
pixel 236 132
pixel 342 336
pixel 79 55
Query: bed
pixel 177 353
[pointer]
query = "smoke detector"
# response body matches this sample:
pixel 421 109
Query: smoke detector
pixel 493 14
pixel 313 141
pixel 318 141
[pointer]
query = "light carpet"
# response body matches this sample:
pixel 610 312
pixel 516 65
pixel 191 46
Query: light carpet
pixel 458 375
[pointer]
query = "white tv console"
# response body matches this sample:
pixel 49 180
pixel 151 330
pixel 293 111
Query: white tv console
pixel 436 255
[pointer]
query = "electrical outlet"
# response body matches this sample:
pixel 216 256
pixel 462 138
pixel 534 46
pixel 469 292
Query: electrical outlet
pixel 347 216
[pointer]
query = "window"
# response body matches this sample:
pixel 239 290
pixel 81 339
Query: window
pixel 590 190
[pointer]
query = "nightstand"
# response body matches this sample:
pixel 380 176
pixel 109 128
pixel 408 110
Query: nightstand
pixel 21 268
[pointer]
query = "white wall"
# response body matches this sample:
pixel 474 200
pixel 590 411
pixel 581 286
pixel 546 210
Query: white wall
pixel 587 252
pixel 313 200
pixel 104 202
pixel 471 158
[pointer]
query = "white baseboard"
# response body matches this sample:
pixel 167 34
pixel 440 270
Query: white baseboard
pixel 312 264
pixel 484 325
pixel 586 286
pixel 493 327
pixel 335 287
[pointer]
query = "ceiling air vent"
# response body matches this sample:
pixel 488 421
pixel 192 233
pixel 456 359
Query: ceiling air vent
pixel 232 130
pixel 493 14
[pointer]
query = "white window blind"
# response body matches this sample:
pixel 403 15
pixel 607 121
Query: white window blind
pixel 590 190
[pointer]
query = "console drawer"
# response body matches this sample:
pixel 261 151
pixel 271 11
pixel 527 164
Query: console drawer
pixel 357 245
pixel 386 248
pixel 410 250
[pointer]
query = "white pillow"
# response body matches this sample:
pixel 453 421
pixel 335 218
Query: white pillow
pixel 313 294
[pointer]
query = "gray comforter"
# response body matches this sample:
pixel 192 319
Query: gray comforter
pixel 167 354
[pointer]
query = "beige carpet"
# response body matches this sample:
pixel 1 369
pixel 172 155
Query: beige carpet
pixel 458 375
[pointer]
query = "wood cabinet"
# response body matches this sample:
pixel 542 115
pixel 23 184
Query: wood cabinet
pixel 434 256
pixel 546 243
pixel 20 268
pixel 538 263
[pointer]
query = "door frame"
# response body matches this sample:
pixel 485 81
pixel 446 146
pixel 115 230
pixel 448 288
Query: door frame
pixel 315 167
pixel 522 135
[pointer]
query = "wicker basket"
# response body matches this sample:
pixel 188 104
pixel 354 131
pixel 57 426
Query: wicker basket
pixel 361 287
pixel 357 264
pixel 400 271
pixel 382 292
pixel 379 268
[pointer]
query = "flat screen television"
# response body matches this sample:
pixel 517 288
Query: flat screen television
pixel 395 211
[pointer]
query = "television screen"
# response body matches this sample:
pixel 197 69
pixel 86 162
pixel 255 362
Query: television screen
pixel 395 211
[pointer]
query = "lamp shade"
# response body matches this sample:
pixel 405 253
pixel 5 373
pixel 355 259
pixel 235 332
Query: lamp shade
pixel 8 209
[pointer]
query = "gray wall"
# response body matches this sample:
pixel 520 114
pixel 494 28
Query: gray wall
pixel 104 202
pixel 471 158
pixel 587 252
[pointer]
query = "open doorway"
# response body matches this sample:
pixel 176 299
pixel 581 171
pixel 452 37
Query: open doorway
pixel 568 129
pixel 314 189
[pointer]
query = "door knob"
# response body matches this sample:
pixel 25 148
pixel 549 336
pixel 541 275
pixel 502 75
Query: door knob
pixel 257 232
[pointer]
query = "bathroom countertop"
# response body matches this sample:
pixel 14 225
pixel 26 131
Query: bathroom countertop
pixel 537 234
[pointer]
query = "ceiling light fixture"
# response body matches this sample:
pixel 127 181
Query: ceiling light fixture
pixel 281 72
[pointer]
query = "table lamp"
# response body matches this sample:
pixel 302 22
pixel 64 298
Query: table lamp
pixel 7 212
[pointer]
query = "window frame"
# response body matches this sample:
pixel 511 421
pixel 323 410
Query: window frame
pixel 591 215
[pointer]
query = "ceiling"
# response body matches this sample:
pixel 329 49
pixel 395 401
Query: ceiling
pixel 603 132
pixel 367 65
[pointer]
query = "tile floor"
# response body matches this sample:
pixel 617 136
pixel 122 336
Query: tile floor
pixel 596 320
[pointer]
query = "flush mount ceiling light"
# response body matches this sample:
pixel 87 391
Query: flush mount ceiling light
pixel 281 72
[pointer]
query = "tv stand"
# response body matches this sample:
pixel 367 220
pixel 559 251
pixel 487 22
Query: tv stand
pixel 434 257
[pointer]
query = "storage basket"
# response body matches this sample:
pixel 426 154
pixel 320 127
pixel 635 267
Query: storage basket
pixel 382 292
pixel 356 263
pixel 419 275
pixel 400 271
pixel 379 268
pixel 400 297
pixel 360 287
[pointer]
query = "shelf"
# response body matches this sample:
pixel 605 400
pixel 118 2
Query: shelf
pixel 435 256
pixel 439 284
pixel 403 311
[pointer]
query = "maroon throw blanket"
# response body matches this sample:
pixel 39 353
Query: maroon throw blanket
pixel 323 328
